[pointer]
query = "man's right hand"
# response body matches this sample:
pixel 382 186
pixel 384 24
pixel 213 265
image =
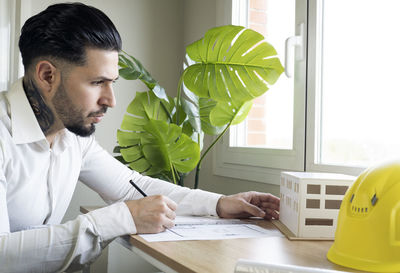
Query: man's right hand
pixel 152 214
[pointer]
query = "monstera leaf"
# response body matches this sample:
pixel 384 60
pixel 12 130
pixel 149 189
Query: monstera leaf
pixel 149 144
pixel 226 112
pixel 232 64
pixel 163 148
pixel 168 148
pixel 132 69
pixel 145 106
pixel 198 111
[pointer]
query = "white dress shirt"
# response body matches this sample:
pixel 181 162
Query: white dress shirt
pixel 36 187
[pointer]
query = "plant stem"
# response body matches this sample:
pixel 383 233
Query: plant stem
pixel 214 142
pixel 178 176
pixel 166 111
pixel 178 96
pixel 196 181
pixel 173 173
pixel 196 178
pixel 181 177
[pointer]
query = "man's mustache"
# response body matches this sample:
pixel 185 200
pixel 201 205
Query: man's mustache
pixel 103 110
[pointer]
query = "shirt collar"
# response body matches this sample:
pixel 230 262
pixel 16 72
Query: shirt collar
pixel 24 125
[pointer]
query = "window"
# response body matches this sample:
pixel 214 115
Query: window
pixel 338 112
pixel 248 152
pixel 358 82
pixel 262 128
pixel 4 44
pixel 9 53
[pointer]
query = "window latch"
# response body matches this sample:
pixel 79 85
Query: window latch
pixel 294 45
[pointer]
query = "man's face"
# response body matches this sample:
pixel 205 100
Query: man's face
pixel 85 92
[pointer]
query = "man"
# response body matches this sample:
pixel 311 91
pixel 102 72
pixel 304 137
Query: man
pixel 70 55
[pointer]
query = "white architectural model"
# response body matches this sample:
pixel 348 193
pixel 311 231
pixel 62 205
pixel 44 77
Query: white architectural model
pixel 310 202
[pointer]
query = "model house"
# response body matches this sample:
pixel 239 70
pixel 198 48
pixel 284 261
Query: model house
pixel 310 202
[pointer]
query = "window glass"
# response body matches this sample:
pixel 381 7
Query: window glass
pixel 270 121
pixel 360 93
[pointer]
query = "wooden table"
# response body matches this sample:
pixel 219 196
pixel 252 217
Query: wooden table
pixel 220 256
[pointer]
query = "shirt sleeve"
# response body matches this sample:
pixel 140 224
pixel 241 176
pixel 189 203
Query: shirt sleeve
pixel 110 178
pixel 59 248
pixel 65 247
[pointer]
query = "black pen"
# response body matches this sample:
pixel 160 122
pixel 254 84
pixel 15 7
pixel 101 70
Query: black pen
pixel 137 187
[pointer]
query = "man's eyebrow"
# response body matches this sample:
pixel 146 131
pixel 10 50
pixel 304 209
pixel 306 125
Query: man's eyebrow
pixel 102 78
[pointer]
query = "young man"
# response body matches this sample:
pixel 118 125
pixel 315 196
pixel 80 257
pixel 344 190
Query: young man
pixel 70 54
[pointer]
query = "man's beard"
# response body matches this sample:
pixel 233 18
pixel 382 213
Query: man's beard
pixel 71 116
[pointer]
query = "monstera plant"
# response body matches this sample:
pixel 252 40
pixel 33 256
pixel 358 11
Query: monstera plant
pixel 226 70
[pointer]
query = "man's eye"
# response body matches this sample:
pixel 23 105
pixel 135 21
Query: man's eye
pixel 98 82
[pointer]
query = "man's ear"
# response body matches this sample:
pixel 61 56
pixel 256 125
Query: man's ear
pixel 46 75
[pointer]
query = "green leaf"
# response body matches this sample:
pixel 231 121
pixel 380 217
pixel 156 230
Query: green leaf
pixel 198 112
pixel 192 111
pixel 132 69
pixel 145 106
pixel 157 172
pixel 181 112
pixel 129 74
pixel 121 159
pixel 140 165
pixel 132 153
pixel 127 138
pixel 187 128
pixel 206 107
pixel 233 64
pixel 157 155
pixel 160 92
pixel 196 136
pixel 226 112
pixel 117 150
pixel 128 61
pixel 165 145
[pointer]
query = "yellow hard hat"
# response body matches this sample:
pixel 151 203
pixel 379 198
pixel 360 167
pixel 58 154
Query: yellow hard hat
pixel 368 231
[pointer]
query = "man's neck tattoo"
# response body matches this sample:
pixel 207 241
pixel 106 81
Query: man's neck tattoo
pixel 43 114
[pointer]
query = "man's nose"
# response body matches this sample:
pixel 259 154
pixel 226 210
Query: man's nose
pixel 107 97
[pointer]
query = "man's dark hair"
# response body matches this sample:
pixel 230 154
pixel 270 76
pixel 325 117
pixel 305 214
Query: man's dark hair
pixel 64 31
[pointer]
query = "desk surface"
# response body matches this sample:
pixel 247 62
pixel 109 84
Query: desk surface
pixel 220 256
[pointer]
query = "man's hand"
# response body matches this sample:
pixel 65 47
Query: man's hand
pixel 247 204
pixel 152 214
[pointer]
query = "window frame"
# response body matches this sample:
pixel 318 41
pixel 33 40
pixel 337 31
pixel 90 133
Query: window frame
pixel 14 11
pixel 265 165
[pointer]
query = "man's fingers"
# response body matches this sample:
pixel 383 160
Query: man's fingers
pixel 267 205
pixel 170 214
pixel 171 204
pixel 168 223
pixel 254 210
pixel 269 198
pixel 269 213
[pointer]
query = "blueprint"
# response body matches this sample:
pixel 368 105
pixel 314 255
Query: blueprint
pixel 209 228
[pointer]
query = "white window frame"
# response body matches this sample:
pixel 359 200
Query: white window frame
pixel 11 22
pixel 265 165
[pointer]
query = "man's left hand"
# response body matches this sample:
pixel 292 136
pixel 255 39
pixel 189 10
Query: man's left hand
pixel 248 204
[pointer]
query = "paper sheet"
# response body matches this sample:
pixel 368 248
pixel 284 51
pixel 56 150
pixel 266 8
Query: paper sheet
pixel 209 228
pixel 204 220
